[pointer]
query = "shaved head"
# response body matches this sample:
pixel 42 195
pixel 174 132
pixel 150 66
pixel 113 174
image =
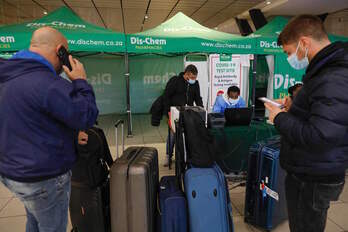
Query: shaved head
pixel 46 41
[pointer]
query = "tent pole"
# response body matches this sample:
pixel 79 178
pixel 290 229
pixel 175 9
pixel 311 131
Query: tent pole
pixel 126 64
pixel 129 113
pixel 254 85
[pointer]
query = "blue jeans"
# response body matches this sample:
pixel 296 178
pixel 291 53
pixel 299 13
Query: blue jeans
pixel 46 202
pixel 308 203
pixel 170 143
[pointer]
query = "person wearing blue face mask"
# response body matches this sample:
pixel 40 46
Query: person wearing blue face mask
pixel 314 129
pixel 180 90
pixel 231 100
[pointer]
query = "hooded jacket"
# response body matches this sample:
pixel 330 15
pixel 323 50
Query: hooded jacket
pixel 39 115
pixel 179 92
pixel 315 130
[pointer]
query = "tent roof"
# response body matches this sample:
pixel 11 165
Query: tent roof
pixel 267 36
pixel 81 35
pixel 180 26
pixel 271 29
pixel 182 34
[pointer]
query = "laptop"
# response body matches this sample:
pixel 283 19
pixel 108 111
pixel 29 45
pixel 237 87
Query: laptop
pixel 238 116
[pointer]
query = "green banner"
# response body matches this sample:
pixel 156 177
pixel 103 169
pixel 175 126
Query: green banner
pixel 284 76
pixel 81 35
pixel 106 75
pixel 149 75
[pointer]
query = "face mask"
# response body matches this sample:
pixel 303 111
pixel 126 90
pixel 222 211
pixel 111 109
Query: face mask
pixel 191 81
pixel 295 62
pixel 233 101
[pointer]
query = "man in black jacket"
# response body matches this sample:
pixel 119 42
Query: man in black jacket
pixel 180 91
pixel 314 149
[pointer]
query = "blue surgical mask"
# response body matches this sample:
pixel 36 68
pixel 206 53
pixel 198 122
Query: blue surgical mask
pixel 233 101
pixel 295 62
pixel 191 81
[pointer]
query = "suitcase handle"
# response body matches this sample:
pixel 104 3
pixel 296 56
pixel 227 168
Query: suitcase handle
pixel 118 123
pixel 131 157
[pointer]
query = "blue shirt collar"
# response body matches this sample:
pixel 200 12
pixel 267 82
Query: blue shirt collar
pixel 26 54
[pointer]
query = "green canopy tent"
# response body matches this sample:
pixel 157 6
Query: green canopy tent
pixel 81 36
pixel 178 36
pixel 283 75
pixel 181 34
pixel 101 50
pixel 267 36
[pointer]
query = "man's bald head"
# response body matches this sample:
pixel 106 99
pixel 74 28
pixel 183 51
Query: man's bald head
pixel 46 41
pixel 47 36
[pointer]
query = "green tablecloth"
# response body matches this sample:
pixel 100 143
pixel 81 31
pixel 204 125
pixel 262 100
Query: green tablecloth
pixel 234 143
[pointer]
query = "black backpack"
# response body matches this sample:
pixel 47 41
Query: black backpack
pixel 199 141
pixel 93 160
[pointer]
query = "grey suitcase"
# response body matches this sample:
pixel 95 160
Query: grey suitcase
pixel 133 190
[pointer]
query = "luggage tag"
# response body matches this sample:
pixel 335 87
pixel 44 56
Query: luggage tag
pixel 272 193
pixel 267 191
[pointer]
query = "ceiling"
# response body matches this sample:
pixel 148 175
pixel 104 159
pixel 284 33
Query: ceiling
pixel 296 7
pixel 108 13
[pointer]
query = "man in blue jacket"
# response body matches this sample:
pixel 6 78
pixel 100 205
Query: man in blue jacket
pixel 314 149
pixel 231 100
pixel 40 115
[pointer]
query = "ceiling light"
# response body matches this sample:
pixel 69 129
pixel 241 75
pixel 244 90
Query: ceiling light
pixel 146 16
pixel 268 2
pixel 45 12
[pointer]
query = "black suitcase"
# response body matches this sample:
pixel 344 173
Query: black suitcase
pixel 265 203
pixel 89 208
pixel 90 187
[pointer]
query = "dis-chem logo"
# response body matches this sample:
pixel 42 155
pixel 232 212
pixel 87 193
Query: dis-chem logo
pixel 57 24
pixel 6 41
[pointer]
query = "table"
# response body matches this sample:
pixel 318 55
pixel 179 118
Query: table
pixel 233 144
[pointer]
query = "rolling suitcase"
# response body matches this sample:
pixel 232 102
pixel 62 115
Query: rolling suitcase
pixel 89 208
pixel 89 199
pixel 172 205
pixel 133 190
pixel 265 203
pixel 209 204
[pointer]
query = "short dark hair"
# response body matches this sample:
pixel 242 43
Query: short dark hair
pixel 233 89
pixel 302 25
pixel 192 69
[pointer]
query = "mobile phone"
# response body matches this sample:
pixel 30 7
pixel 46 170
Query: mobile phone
pixel 266 100
pixel 63 56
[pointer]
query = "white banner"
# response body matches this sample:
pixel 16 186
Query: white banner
pixel 225 71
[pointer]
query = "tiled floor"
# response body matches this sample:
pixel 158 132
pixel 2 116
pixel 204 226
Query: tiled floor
pixel 12 213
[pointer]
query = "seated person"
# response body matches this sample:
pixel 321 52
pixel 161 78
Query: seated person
pixel 230 100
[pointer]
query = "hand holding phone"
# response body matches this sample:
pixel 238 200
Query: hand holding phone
pixel 77 71
pixel 266 100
